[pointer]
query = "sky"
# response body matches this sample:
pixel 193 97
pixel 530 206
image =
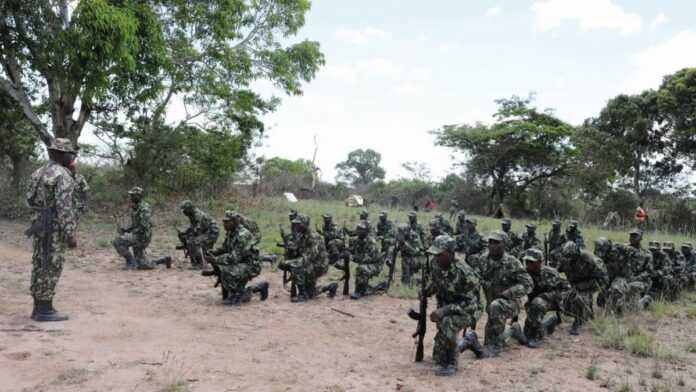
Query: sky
pixel 398 69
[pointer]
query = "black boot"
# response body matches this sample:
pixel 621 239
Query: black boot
pixel 166 260
pixel 45 312
pixel 130 263
pixel 330 289
pixel 208 273
pixel 232 299
pixel 262 289
pixel 300 297
pixel 517 334
pixel 575 328
pixel 470 342
pixel 550 324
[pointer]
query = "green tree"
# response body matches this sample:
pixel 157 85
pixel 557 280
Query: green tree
pixel 677 104
pixel 361 168
pixel 19 142
pixel 417 171
pixel 522 148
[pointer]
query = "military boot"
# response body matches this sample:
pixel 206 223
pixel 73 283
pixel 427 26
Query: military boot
pixel 45 312
pixel 130 262
pixel 300 297
pixel 144 265
pixel 262 289
pixel 245 296
pixel 358 293
pixel 550 324
pixel 330 289
pixel 232 299
pixel 470 342
pixel 166 260
pixel 575 328
pixel 517 334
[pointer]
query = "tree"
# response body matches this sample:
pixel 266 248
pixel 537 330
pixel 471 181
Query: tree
pixel 361 168
pixel 283 175
pixel 18 141
pixel 676 101
pixel 523 148
pixel 418 171
pixel 75 59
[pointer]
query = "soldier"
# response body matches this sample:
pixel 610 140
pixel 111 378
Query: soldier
pixel 546 296
pixel 690 262
pixel 529 238
pixel 587 275
pixel 81 190
pixel 367 256
pixel 473 242
pixel 329 230
pixel 504 282
pixel 640 263
pixel 679 270
pixel 554 242
pixel 415 226
pixel 615 295
pixel 412 254
pixel 201 236
pixel 237 262
pixel 461 226
pixel 445 226
pixel 251 225
pixel 435 230
pixel 310 261
pixel 138 234
pixel 386 234
pixel 574 234
pixel 51 196
pixel 514 243
pixel 456 286
pixel 662 284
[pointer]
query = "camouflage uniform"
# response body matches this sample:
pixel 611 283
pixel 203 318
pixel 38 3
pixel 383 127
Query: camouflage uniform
pixel 504 283
pixel 547 295
pixel 80 194
pixel 202 235
pixel 386 234
pixel 252 226
pixel 311 262
pixel 457 290
pixel 586 274
pixel 662 277
pixel 444 224
pixel 460 226
pixel 412 257
pixel 514 243
pixel 472 242
pixel 555 240
pixel 529 238
pixel 573 234
pixel 615 296
pixel 679 271
pixel 640 264
pixel 51 191
pixel 415 226
pixel 689 262
pixel 435 230
pixel 368 258
pixel 333 238
pixel 137 235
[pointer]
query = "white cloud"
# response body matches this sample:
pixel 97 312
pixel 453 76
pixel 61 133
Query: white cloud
pixel 376 68
pixel 493 11
pixel 591 15
pixel 651 64
pixel 360 36
pixel 659 20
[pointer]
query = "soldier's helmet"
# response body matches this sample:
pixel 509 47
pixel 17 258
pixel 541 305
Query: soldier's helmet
pixel 136 192
pixel 654 246
pixel 383 215
pixel 186 205
pixel 531 227
pixel 364 214
pixel 532 255
pixel 498 236
pixel 63 145
pixel 301 219
pixel 231 216
pixel 442 243
pixel 327 217
pixel 570 249
pixel 506 222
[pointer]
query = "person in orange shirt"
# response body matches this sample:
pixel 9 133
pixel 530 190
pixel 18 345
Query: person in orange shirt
pixel 641 216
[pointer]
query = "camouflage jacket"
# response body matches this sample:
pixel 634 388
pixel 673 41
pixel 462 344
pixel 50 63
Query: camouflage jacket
pixel 331 232
pixel 640 263
pixel 52 186
pixel 690 262
pixel 457 288
pixel 238 247
pixel 418 228
pixel 616 263
pixel 445 226
pixel 513 244
pixel 530 241
pixel 678 264
pixel 251 225
pixel 548 284
pixel 556 239
pixel 203 224
pixel 505 278
pixel 461 228
pixel 585 272
pixel 80 194
pixel 471 243
pixel 662 265
pixel 365 251
pixel 575 236
pixel 412 245
pixel 386 232
pixel 311 250
pixel 141 221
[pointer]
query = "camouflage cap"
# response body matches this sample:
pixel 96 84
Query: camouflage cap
pixel 573 223
pixel 687 245
pixel 60 144
pixel 533 255
pixel 498 236
pixel 230 216
pixel 327 216
pixel 136 191
pixel 186 205
pixel 505 221
pixel 669 245
pixel 471 220
pixel 570 248
pixel 636 231
pixel 530 226
pixel 301 219
pixel 442 243
pixel 654 245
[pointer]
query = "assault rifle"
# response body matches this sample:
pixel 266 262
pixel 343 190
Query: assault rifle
pixel 421 315
pixel 346 262
pixel 546 249
pixel 392 263
pixel 290 252
pixel 42 228
pixel 210 258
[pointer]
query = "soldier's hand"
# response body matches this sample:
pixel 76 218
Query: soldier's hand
pixel 72 242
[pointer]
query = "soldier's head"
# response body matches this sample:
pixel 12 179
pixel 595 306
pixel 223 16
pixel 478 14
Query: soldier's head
pixel 135 195
pixel 602 246
pixel 573 225
pixel 531 229
pixel 496 243
pixel 362 229
pixel 654 247
pixel 570 250
pixel 461 216
pixel 300 224
pixel 412 217
pixel 472 222
pixel 383 216
pixel 62 151
pixel 434 226
pixel 187 207
pixel 556 225
pixel 402 231
pixel 686 248
pixel 292 215
pixel 443 249
pixel 634 237
pixel 668 246
pixel 231 220
pixel 364 214
pixel 328 219
pixel 533 258
pixel 506 224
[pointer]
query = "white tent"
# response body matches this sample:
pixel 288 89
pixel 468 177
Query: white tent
pixel 290 197
pixel 355 201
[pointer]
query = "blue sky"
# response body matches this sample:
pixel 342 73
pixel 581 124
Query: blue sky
pixel 398 69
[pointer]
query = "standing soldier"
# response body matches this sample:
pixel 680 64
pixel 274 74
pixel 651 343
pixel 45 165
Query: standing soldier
pixel 529 238
pixel 201 236
pixel 138 234
pixel 445 226
pixel 505 282
pixel 435 230
pixel 546 296
pixel 412 255
pixel 310 261
pixel 514 243
pixel 51 196
pixel 367 256
pixel 574 234
pixel 640 263
pixel 81 190
pixel 415 226
pixel 237 262
pixel 554 241
pixel 587 275
pixel 456 287
pixel 474 243
pixel 386 234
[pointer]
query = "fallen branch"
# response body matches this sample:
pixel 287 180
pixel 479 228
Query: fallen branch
pixel 343 313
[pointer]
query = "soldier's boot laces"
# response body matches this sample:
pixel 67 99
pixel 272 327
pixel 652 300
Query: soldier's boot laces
pixel 517 334
pixel 262 289
pixel 45 312
pixel 166 260
pixel 575 328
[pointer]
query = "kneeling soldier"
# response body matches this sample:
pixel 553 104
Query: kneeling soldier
pixel 369 260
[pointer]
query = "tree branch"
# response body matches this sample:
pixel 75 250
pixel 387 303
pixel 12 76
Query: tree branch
pixel 20 97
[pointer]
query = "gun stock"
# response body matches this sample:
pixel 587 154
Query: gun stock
pixel 422 311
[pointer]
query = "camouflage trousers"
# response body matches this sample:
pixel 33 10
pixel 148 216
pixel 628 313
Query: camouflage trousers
pixel 198 245
pixel 499 310
pixel 615 297
pixel 536 310
pixel 235 277
pixel 124 242
pixel 45 275
pixel 445 347
pixel 409 266
pixel 363 273
pixel 663 286
pixel 578 304
pixel 304 275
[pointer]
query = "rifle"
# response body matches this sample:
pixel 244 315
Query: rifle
pixel 43 229
pixel 392 264
pixel 346 265
pixel 546 249
pixel 210 258
pixel 287 276
pixel 421 315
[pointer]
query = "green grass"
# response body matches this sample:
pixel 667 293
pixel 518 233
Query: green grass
pixel 73 376
pixel 176 386
pixel 619 334
pixel 591 373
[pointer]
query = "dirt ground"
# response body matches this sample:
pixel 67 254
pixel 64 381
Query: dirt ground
pixel 165 330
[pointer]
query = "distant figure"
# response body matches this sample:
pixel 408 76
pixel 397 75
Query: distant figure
pixel 641 217
pixel 499 213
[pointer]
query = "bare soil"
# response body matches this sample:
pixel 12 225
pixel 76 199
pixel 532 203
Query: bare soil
pixel 166 330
